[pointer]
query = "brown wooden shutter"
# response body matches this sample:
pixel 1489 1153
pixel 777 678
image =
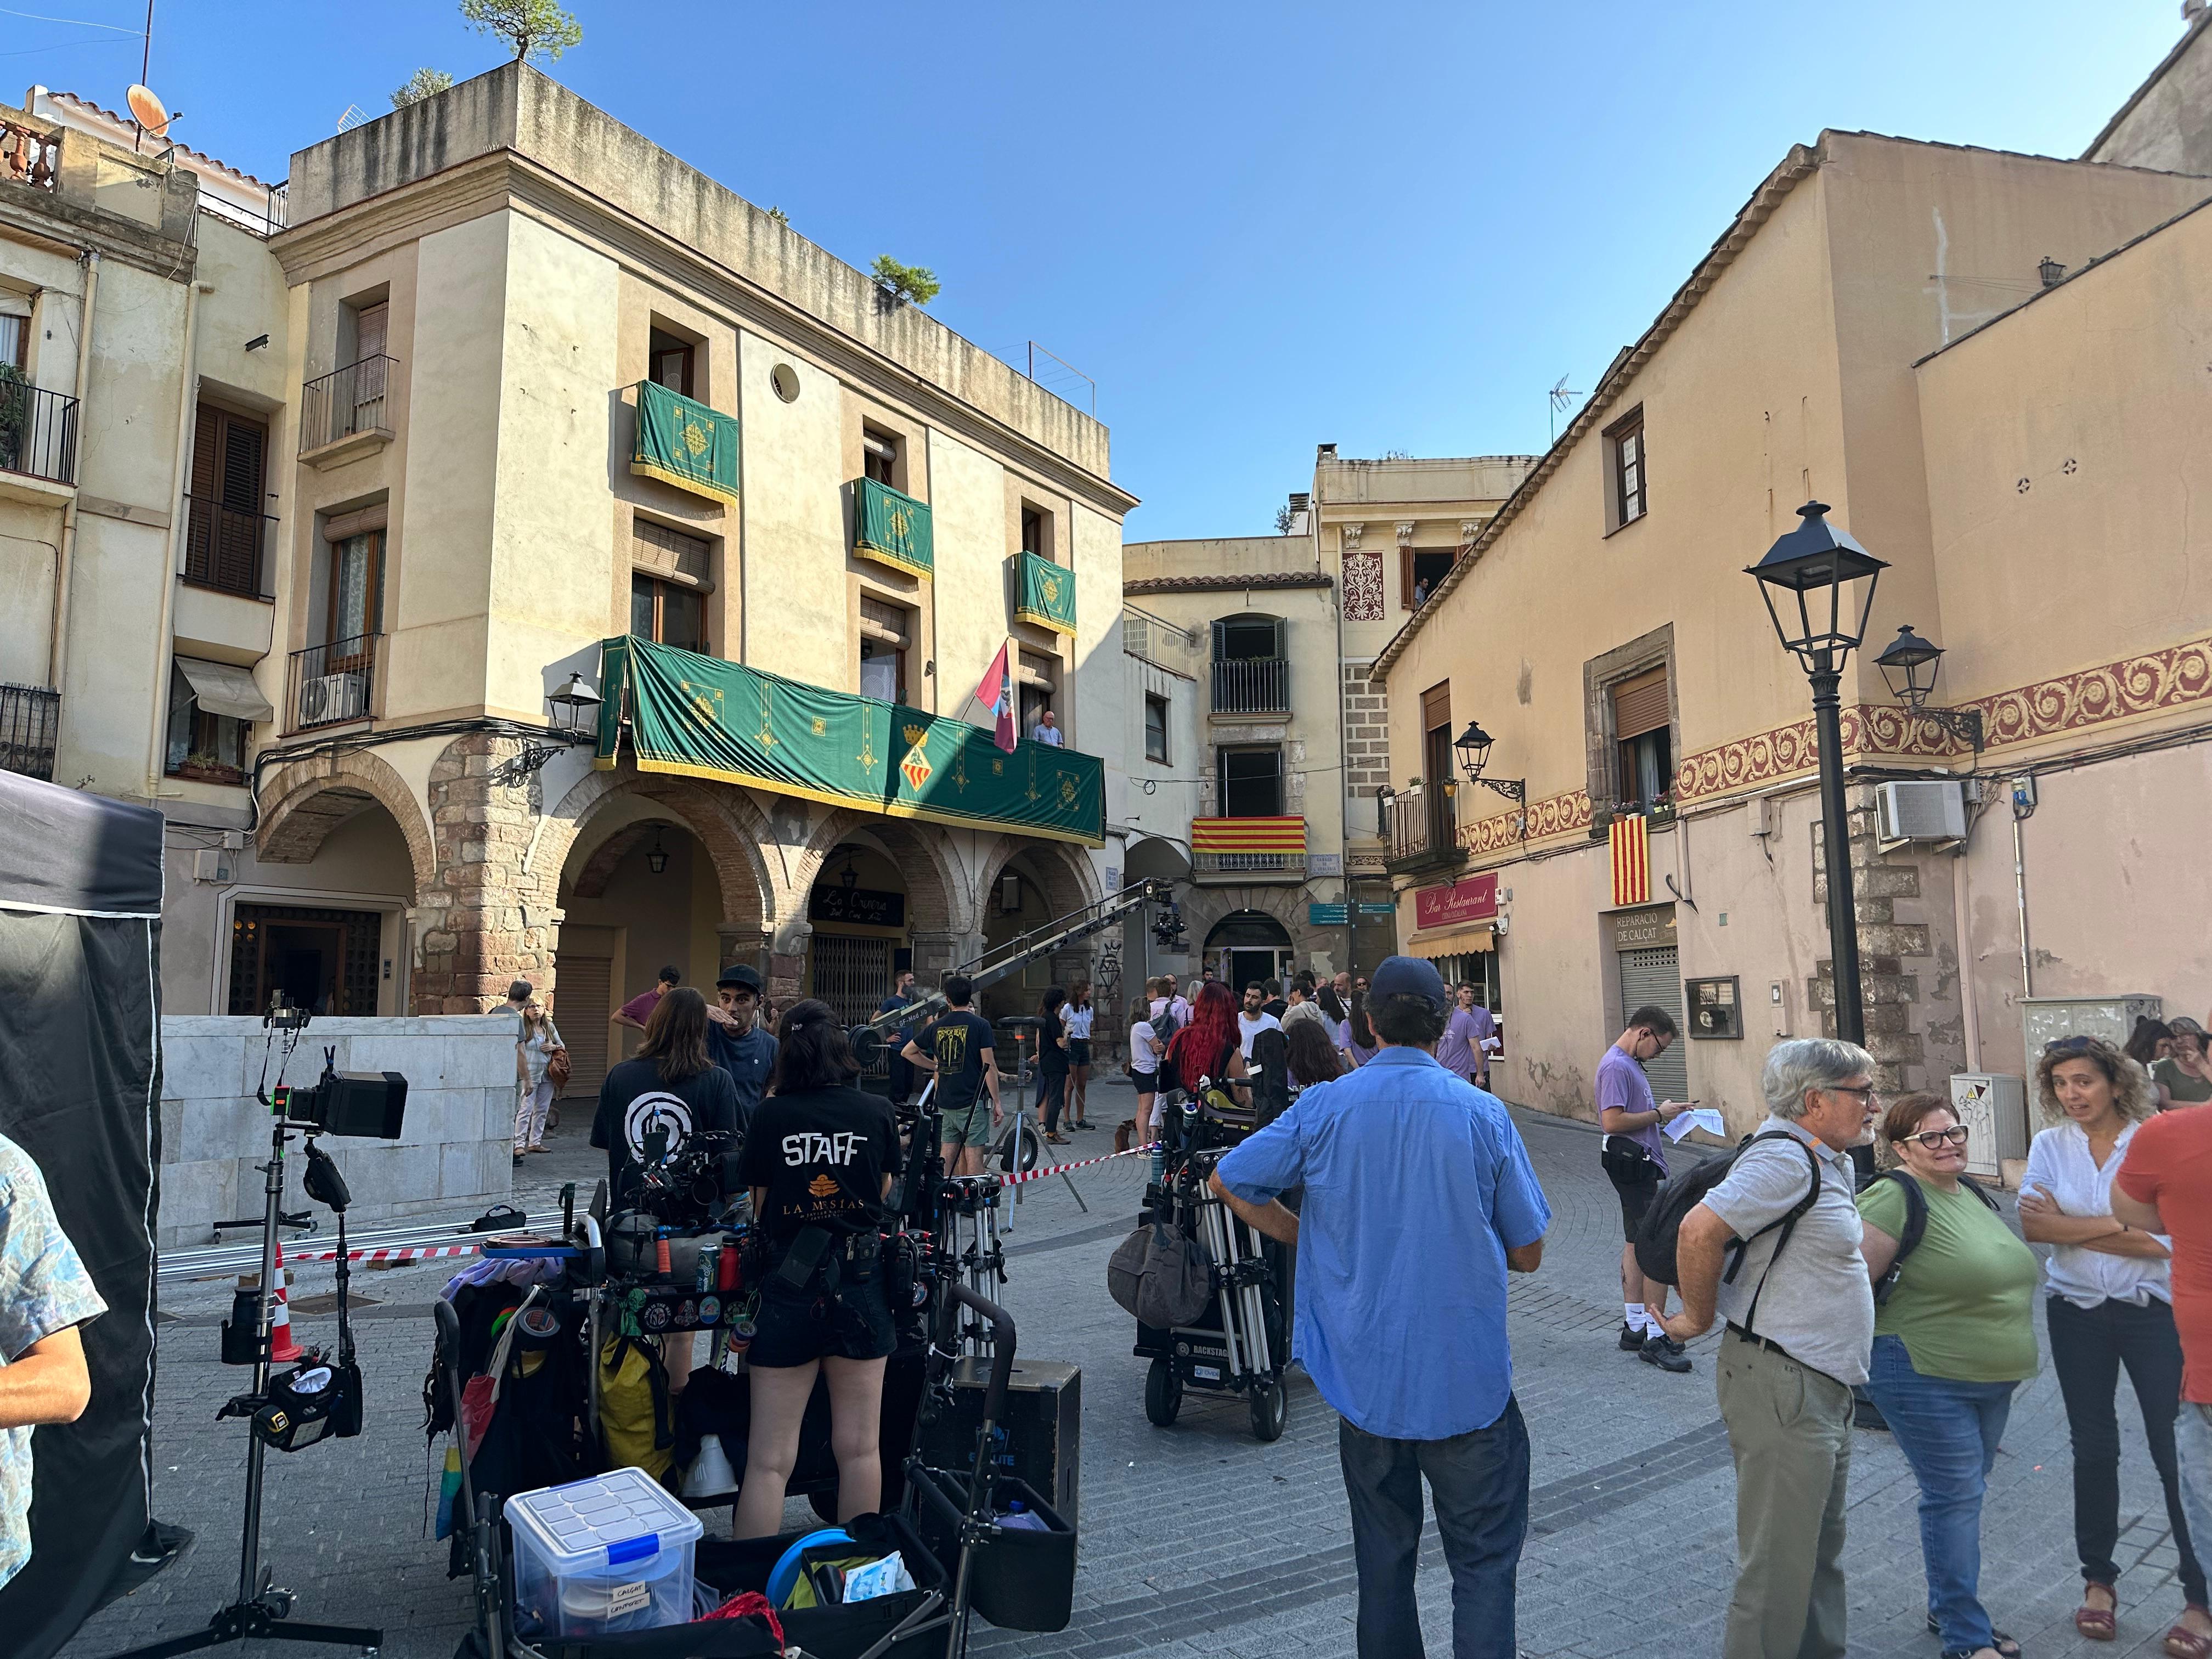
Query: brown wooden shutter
pixel 1639 705
pixel 244 443
pixel 1404 579
pixel 370 322
pixel 207 446
pixel 1436 707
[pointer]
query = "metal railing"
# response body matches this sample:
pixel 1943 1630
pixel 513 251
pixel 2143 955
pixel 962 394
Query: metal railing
pixel 29 155
pixel 345 401
pixel 30 722
pixel 1248 864
pixel 1425 829
pixel 226 549
pixel 38 430
pixel 265 222
pixel 1252 685
pixel 330 684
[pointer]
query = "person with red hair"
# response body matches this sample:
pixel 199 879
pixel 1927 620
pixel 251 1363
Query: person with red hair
pixel 1211 1046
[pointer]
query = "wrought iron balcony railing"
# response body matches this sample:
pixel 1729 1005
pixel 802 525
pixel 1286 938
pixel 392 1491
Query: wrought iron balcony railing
pixel 30 722
pixel 1252 685
pixel 38 430
pixel 346 401
pixel 227 550
pixel 330 684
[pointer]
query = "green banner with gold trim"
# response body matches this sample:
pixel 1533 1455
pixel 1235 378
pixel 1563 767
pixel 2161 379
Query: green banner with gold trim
pixel 685 443
pixel 892 528
pixel 705 718
pixel 1044 593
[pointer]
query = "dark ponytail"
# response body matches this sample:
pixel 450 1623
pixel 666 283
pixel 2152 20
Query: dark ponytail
pixel 812 1050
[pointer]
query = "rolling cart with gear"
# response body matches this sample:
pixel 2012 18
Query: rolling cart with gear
pixel 1241 1343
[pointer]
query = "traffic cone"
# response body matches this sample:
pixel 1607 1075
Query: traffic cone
pixel 282 1350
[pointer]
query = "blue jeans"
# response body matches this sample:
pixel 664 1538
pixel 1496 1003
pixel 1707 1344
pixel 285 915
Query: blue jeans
pixel 2192 1442
pixel 1479 1483
pixel 1948 1431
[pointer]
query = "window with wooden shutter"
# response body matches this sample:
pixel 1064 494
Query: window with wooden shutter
pixel 1643 736
pixel 1639 705
pixel 224 524
pixel 1436 707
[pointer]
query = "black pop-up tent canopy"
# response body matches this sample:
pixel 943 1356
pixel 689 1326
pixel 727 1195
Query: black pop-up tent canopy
pixel 80 1092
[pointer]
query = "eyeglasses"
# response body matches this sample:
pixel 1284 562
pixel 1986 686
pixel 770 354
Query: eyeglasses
pixel 2068 1045
pixel 1863 1091
pixel 1955 1135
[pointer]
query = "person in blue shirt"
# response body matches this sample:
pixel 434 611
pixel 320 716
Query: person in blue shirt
pixel 735 1040
pixel 1418 1200
pixel 903 996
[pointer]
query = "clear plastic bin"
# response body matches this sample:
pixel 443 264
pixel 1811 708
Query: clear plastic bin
pixel 598 1557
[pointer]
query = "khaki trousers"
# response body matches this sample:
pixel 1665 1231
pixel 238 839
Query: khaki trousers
pixel 1790 1428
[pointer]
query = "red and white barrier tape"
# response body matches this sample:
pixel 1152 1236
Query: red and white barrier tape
pixel 1061 1169
pixel 408 1253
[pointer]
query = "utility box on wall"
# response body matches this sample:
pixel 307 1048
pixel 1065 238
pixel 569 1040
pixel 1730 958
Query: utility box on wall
pixel 1994 1109
pixel 2045 1019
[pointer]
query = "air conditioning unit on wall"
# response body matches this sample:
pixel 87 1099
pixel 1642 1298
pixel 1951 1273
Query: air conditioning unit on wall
pixel 1930 809
pixel 333 697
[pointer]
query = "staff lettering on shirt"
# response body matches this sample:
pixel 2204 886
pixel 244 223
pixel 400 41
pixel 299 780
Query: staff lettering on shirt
pixel 813 1148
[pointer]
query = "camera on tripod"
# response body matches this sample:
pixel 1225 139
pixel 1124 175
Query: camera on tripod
pixel 697 1185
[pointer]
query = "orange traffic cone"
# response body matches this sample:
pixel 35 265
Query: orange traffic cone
pixel 282 1350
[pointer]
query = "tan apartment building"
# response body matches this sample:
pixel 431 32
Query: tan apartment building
pixel 536 401
pixel 1274 815
pixel 1907 333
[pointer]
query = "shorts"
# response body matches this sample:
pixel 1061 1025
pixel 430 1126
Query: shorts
pixel 797 1326
pixel 1637 1194
pixel 1079 1051
pixel 967 1126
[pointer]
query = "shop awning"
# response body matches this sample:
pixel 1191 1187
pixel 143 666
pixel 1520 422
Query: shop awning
pixel 701 717
pixel 1453 941
pixel 219 688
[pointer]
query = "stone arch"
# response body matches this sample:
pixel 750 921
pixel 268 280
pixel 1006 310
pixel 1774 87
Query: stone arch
pixel 937 899
pixel 1070 882
pixel 308 798
pixel 719 817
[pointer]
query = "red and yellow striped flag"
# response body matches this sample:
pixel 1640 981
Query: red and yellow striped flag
pixel 1630 842
pixel 1282 834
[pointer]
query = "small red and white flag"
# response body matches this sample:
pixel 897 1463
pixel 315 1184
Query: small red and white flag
pixel 996 692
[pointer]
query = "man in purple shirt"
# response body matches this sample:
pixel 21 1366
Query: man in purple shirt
pixel 1634 1154
pixel 639 1009
pixel 1463 1051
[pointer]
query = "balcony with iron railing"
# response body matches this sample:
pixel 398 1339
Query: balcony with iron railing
pixel 227 548
pixel 1425 830
pixel 1248 849
pixel 37 438
pixel 30 723
pixel 346 414
pixel 331 684
pixel 1252 685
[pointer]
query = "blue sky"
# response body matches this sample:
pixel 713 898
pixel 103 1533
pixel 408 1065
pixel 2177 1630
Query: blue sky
pixel 1389 226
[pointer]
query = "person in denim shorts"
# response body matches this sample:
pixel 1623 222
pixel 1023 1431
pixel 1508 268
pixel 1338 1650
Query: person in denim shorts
pixel 819 1160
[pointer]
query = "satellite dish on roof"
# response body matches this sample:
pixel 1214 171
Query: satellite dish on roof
pixel 151 114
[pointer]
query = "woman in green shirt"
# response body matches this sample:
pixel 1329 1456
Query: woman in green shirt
pixel 1953 1336
pixel 2184 1077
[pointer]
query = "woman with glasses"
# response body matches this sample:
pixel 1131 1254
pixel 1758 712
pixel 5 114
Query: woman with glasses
pixel 1954 1334
pixel 2110 1304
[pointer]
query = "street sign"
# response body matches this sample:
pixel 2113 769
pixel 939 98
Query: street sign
pixel 1328 915
pixel 1377 907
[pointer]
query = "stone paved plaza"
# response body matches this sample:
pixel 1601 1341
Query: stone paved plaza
pixel 1199 1541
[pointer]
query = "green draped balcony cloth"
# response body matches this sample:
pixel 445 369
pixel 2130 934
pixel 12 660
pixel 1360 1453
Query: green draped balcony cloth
pixel 892 529
pixel 1044 593
pixel 685 443
pixel 700 717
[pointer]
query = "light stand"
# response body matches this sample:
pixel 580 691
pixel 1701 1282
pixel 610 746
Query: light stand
pixel 262 1611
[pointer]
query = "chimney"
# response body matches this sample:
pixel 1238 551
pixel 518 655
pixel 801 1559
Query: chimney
pixel 1325 452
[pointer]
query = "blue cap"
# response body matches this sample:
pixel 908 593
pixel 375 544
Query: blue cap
pixel 1408 977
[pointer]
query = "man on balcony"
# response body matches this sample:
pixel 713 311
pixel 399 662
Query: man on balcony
pixel 1047 729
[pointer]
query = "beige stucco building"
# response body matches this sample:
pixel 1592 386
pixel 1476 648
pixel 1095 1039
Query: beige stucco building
pixel 422 389
pixel 1907 333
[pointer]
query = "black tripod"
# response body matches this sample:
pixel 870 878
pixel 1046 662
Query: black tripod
pixel 262 1611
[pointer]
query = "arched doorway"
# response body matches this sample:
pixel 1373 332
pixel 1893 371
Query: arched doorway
pixel 1154 857
pixel 861 936
pixel 1246 945
pixel 1021 898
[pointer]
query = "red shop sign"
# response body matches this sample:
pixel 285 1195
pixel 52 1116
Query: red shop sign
pixel 1475 899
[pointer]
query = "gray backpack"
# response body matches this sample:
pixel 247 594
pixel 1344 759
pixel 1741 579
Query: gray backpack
pixel 1161 1274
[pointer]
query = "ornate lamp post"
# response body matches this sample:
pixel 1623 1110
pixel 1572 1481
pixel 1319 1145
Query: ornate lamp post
pixel 1472 748
pixel 1809 568
pixel 1910 665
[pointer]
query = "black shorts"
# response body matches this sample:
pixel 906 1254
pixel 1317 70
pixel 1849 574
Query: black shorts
pixel 794 1327
pixel 1079 1051
pixel 1639 1193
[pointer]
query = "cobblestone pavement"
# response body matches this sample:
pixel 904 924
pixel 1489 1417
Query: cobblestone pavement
pixel 1198 1539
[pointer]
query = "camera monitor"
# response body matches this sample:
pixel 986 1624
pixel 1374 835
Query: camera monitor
pixel 368 1104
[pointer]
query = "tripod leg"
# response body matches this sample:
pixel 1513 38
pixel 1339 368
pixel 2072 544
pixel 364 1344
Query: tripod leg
pixel 1080 1204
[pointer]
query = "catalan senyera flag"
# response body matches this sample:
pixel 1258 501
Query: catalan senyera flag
pixel 1630 842
pixel 996 692
pixel 1248 835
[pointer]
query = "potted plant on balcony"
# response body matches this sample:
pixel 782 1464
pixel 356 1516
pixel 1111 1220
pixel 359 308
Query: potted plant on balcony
pixel 205 766
pixel 1662 809
pixel 14 415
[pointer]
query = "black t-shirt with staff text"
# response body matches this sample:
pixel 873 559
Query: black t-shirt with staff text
pixel 823 1155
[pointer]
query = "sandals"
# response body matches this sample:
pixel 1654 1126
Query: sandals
pixel 2006 1648
pixel 2184 1643
pixel 2099 1623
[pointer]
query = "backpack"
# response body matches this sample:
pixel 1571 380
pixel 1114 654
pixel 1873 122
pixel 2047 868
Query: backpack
pixel 1655 1239
pixel 1916 1225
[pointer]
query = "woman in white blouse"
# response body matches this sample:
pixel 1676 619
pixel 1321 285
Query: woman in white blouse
pixel 2110 1304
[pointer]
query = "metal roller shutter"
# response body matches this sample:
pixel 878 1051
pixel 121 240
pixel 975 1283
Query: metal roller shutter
pixel 1653 978
pixel 583 1010
pixel 853 975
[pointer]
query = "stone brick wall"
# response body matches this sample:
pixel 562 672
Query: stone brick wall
pixel 1893 952
pixel 1366 733
pixel 457 1150
pixel 482 921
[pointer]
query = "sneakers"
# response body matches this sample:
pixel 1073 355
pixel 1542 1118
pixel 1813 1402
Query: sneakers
pixel 1660 1350
pixel 1632 1339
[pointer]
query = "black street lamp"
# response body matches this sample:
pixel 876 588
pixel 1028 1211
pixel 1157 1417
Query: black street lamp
pixel 1473 749
pixel 1810 567
pixel 656 857
pixel 1902 665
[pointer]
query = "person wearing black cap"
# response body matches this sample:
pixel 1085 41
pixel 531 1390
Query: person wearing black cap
pixel 1419 1200
pixel 736 1040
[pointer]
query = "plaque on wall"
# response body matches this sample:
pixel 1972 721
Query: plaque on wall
pixel 1642 930
pixel 865 907
pixel 1716 1008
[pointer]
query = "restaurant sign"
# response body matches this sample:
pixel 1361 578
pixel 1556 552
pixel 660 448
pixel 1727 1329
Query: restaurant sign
pixel 1475 899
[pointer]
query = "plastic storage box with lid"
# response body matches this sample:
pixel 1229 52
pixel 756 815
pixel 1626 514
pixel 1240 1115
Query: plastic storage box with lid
pixel 598 1557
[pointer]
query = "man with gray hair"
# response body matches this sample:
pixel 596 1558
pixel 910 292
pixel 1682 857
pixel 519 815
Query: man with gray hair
pixel 1800 1313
